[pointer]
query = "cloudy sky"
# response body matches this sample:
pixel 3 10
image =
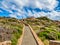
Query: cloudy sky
pixel 26 8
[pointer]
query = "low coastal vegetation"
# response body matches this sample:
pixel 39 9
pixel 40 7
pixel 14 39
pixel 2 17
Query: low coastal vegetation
pixel 10 29
pixel 45 28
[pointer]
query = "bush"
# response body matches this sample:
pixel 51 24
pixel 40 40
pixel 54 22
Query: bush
pixel 14 41
pixel 15 37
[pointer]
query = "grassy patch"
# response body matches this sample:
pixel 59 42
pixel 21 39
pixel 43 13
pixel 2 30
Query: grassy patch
pixel 16 36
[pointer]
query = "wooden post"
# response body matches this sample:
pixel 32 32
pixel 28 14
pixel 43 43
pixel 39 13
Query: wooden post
pixel 54 42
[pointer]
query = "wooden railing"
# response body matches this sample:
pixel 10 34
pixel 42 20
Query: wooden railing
pixel 38 41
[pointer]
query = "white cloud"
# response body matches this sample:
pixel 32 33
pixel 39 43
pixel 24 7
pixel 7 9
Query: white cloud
pixel 12 15
pixel 41 4
pixel 55 13
pixel 49 4
pixel 45 4
pixel 52 15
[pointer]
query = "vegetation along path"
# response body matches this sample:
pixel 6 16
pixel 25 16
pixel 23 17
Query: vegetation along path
pixel 28 38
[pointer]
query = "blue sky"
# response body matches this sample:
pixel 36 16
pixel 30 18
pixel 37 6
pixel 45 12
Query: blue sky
pixel 26 8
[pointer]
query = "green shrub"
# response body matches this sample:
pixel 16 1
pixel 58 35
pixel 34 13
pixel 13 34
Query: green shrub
pixel 14 41
pixel 15 37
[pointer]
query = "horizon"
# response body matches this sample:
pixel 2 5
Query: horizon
pixel 22 9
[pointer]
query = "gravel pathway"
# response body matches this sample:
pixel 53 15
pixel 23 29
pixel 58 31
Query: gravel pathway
pixel 28 38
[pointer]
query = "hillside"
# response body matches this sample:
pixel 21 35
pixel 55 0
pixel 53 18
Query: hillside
pixel 10 29
pixel 45 28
